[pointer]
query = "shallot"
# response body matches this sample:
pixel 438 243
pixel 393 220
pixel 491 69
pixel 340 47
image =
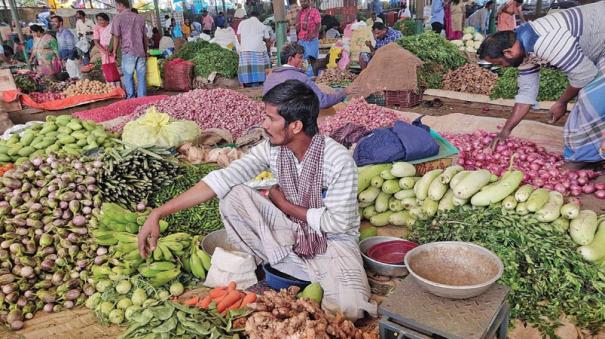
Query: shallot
pixel 359 112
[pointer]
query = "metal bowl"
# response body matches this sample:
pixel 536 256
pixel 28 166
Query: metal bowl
pixel 453 269
pixel 378 267
pixel 217 239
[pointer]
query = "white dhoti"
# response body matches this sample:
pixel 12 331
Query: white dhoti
pixel 259 228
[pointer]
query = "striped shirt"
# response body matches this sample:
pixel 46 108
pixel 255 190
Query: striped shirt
pixel 572 40
pixel 339 215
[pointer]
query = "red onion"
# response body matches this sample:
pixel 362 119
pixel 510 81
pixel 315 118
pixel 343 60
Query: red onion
pixel 600 194
pixel 588 188
pixel 118 109
pixel 359 112
pixel 599 186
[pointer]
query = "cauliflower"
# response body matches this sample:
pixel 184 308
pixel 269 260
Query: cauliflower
pixel 477 44
pixel 458 43
pixel 467 37
pixel 478 37
pixel 462 48
pixel 471 50
pixel 469 30
pixel 469 43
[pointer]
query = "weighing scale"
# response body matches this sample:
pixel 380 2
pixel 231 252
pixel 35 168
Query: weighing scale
pixel 411 312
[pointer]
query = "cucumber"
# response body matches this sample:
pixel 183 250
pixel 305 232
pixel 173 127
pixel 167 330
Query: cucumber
pixel 582 229
pixel 386 175
pixel 537 199
pixel 4 149
pixel 382 202
pixel 408 183
pixel 509 203
pixel 27 138
pixel 447 202
pixel 403 169
pixel 395 205
pixel 459 202
pixel 421 188
pixel 552 209
pixel 430 207
pixel 405 194
pixel 15 148
pixel 437 189
pixel 80 135
pixel 523 193
pixel 521 208
pixel 449 173
pixel 369 195
pixel 391 186
pixel 43 144
pixel 457 178
pixel 362 205
pixel 570 211
pixel 369 212
pixel 381 219
pixel 402 219
pixel 596 249
pixel 49 127
pixel 66 139
pixel 409 202
pixel 418 213
pixel 63 120
pixel 561 225
pixel 365 173
pixel 81 142
pixel 377 181
pixel 26 151
pixel 471 184
pixel 74 125
pixel 5 158
pixel 499 190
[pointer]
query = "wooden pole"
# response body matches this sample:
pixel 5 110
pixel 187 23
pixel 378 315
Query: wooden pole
pixel 15 15
pixel 158 19
pixel 279 15
pixel 538 9
pixel 419 16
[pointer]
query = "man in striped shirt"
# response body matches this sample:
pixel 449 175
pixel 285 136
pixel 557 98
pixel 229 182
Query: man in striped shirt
pixel 308 226
pixel 574 42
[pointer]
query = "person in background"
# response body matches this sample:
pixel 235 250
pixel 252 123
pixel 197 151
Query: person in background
pixel 84 29
pixel 377 9
pixel 45 52
pixel 166 43
pixel 254 61
pixel 155 38
pixel 196 28
pixel 437 16
pixel 207 23
pixel 308 24
pixel 506 15
pixel 220 21
pixel 383 35
pixel 240 12
pixel 65 39
pixel 480 19
pixel 167 23
pixel 332 33
pixel 571 41
pixel 186 29
pixel 291 69
pixel 404 12
pixel 128 30
pixel 308 226
pixel 43 17
pixel 291 17
pixel 373 19
pixel 102 39
pixel 454 19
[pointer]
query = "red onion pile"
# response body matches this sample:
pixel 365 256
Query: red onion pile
pixel 541 168
pixel 215 108
pixel 117 109
pixel 46 96
pixel 359 112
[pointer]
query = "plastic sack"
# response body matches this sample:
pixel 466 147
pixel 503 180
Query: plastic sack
pixel 156 129
pixel 153 77
pixel 230 266
pixel 83 45
pixel 73 69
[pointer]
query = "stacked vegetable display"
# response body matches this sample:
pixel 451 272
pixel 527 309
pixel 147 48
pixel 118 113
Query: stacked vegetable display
pixel 335 77
pixel 470 42
pixel 46 205
pixel 62 134
pixel 359 112
pixel 470 78
pixel 552 84
pixel 210 57
pixel 84 87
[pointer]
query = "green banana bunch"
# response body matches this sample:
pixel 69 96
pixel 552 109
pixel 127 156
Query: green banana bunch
pixel 116 218
pixel 104 237
pixel 159 272
pixel 171 247
pixel 199 261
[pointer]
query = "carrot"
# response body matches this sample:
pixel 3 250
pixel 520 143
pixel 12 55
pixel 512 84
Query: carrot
pixel 215 293
pixel 192 301
pixel 204 303
pixel 235 306
pixel 228 300
pixel 231 286
pixel 248 299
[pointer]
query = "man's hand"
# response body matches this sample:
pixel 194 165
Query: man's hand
pixel 501 137
pixel 148 235
pixel 277 196
pixel 369 44
pixel 556 111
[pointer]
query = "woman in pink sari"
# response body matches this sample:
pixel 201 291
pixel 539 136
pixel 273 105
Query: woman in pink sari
pixel 454 20
pixel 102 38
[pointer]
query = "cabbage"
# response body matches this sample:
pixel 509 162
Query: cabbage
pixel 467 37
pixel 157 129
pixel 458 43
pixel 478 37
pixel 477 44
pixel 469 43
pixel 469 30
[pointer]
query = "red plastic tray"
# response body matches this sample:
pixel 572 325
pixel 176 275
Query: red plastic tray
pixel 391 252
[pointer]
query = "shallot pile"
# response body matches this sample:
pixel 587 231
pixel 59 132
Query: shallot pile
pixel 335 77
pixel 46 96
pixel 359 112
pixel 541 168
pixel 46 205
pixel 470 78
pixel 215 108
pixel 118 109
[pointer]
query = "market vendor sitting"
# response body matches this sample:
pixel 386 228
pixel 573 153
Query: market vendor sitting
pixel 291 69
pixel 308 226
pixel 383 35
pixel 572 41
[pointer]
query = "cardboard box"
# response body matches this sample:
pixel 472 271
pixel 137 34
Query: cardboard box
pixel 422 168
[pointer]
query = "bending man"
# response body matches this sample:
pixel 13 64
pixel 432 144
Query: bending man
pixel 574 42
pixel 309 225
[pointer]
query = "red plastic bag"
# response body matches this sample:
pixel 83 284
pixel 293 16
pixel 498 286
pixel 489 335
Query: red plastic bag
pixel 110 71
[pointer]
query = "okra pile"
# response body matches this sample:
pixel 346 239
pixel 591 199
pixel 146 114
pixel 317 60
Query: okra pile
pixel 131 175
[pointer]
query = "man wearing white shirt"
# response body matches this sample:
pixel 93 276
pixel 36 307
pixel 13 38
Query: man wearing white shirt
pixel 84 29
pixel 253 59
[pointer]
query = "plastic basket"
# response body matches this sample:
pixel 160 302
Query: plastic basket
pixel 377 98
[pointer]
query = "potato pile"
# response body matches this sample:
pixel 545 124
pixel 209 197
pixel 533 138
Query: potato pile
pixel 83 87
pixel 470 78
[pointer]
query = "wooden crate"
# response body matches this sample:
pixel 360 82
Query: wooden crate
pixel 403 99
